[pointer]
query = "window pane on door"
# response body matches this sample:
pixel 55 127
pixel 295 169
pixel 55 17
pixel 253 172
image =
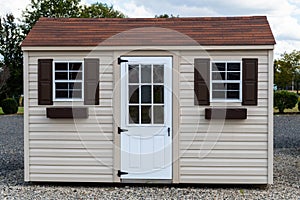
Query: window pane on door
pixel 133 73
pixel 158 73
pixel 133 94
pixel 158 91
pixel 158 112
pixel 134 114
pixel 146 114
pixel 146 94
pixel 146 73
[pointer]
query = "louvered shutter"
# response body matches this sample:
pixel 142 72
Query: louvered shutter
pixel 91 81
pixel 201 81
pixel 45 82
pixel 250 76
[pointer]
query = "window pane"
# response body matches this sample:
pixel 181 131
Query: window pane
pixel 61 85
pixel 146 73
pixel 61 66
pixel 146 94
pixel 146 115
pixel 75 94
pixel 61 75
pixel 77 86
pixel 218 76
pixel 133 94
pixel 133 115
pixel 158 93
pixel 158 112
pixel 233 76
pixel 218 86
pixel 218 66
pixel 233 95
pixel 75 76
pixel 158 73
pixel 218 94
pixel 133 73
pixel 233 86
pixel 233 66
pixel 61 94
pixel 75 66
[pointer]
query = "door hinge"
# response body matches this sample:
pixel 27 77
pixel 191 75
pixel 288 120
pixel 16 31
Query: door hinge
pixel 120 173
pixel 121 130
pixel 120 60
pixel 169 129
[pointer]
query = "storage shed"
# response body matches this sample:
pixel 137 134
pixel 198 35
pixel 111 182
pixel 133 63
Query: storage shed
pixel 179 100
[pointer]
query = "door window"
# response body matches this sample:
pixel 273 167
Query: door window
pixel 145 94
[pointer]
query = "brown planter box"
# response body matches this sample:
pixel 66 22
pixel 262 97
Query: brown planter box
pixel 67 112
pixel 225 113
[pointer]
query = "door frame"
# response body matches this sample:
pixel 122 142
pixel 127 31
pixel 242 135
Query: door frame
pixel 175 109
pixel 167 113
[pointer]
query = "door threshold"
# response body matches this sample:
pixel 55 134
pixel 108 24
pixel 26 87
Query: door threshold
pixel 148 181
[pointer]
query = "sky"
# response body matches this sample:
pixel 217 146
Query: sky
pixel 283 15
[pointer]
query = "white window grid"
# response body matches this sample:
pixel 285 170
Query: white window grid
pixel 140 104
pixel 225 81
pixel 68 81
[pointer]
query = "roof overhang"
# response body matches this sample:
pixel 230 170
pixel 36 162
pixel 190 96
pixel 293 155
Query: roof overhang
pixel 139 48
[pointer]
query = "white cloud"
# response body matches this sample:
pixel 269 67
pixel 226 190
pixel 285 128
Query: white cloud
pixel 15 7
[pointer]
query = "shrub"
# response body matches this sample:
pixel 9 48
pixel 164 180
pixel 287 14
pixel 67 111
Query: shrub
pixel 299 106
pixel 284 99
pixel 9 106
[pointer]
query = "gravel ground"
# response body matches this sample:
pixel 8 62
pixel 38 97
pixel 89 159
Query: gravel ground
pixel 286 173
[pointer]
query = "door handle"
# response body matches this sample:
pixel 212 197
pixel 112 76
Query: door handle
pixel 169 129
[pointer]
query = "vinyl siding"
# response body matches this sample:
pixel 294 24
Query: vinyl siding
pixel 72 150
pixel 209 151
pixel 223 151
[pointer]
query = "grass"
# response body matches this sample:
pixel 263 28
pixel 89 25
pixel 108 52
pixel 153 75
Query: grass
pixel 293 110
pixel 20 111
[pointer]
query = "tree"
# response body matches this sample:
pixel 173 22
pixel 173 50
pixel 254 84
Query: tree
pixel 100 10
pixel 287 69
pixel 4 75
pixel 49 8
pixel 284 99
pixel 166 16
pixel 65 8
pixel 11 55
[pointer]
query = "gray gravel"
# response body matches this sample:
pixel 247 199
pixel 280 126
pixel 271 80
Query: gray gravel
pixel 286 173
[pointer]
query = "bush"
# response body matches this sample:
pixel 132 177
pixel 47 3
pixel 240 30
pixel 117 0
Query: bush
pixel 9 106
pixel 284 99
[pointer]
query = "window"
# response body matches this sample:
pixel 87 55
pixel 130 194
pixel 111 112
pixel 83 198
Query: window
pixel 68 81
pixel 226 81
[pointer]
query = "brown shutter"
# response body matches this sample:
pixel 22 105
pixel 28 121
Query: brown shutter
pixel 45 82
pixel 250 76
pixel 91 81
pixel 201 81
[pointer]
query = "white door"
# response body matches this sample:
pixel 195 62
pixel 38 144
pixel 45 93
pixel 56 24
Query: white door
pixel 146 114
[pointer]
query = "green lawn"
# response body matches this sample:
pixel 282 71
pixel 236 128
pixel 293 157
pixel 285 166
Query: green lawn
pixel 294 110
pixel 20 111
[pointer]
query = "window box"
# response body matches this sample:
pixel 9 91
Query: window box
pixel 67 112
pixel 225 113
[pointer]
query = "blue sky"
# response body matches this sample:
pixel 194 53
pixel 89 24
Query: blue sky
pixel 283 15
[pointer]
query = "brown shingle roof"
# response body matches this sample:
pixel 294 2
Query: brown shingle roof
pixel 253 30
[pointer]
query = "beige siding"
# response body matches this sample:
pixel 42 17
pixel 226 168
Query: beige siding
pixel 206 151
pixel 79 150
pixel 223 151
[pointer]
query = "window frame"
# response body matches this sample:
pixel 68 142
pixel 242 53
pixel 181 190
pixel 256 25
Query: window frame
pixel 67 81
pixel 240 82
